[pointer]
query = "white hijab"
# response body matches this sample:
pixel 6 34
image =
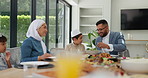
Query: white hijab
pixel 32 32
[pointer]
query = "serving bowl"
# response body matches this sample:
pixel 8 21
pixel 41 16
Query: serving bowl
pixel 135 65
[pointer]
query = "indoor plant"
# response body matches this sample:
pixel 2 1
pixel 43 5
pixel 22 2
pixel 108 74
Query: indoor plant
pixel 90 45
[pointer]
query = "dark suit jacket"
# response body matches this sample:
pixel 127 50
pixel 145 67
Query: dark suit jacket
pixel 117 40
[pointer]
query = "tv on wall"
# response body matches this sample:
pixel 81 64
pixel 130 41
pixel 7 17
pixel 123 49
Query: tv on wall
pixel 134 19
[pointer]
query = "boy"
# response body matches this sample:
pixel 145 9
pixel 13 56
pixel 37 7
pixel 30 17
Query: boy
pixel 76 46
pixel 4 60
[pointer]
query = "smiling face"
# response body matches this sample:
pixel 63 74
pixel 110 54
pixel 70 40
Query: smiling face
pixel 102 29
pixel 42 30
pixel 2 47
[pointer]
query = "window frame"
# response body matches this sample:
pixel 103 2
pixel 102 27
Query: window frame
pixel 13 20
pixel 70 7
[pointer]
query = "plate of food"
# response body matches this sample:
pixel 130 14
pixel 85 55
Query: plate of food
pixel 35 63
pixel 100 59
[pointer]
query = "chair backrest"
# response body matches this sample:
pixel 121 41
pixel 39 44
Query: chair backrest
pixel 15 55
pixel 124 53
pixel 55 51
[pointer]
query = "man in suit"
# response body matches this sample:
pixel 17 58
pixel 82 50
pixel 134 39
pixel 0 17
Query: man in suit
pixel 108 41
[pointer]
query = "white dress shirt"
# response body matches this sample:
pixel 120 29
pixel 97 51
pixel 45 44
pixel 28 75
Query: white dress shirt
pixel 106 41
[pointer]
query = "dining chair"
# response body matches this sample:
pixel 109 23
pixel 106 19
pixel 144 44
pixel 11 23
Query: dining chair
pixel 15 55
pixel 55 51
pixel 124 53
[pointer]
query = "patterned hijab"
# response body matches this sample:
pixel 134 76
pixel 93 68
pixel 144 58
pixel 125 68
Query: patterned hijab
pixel 32 32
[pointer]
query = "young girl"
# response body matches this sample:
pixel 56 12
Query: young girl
pixel 4 60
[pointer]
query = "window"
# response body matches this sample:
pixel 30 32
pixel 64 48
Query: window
pixel 22 12
pixel 40 9
pixel 63 24
pixel 52 24
pixel 23 20
pixel 5 19
pixel 67 25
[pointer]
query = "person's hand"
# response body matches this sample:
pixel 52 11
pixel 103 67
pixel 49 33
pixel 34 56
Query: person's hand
pixel 44 56
pixel 7 57
pixel 102 45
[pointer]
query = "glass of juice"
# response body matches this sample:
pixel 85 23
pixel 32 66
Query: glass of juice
pixel 68 65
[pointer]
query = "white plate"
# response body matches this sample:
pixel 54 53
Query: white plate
pixel 114 55
pixel 52 57
pixel 34 63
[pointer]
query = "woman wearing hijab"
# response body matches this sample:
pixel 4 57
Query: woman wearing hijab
pixel 33 48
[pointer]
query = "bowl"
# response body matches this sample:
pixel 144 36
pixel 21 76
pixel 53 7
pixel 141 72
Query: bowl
pixel 135 65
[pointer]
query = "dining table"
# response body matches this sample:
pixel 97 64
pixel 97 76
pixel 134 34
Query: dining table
pixel 19 73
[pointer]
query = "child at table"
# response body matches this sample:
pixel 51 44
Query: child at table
pixel 4 60
pixel 77 45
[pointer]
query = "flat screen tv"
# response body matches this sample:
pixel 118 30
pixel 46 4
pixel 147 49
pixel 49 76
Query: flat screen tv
pixel 134 19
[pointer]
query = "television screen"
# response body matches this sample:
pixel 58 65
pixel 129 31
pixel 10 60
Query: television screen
pixel 134 19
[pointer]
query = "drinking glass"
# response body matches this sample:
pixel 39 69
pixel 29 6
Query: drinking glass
pixel 68 65
pixel 29 70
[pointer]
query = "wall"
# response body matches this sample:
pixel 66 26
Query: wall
pixel 75 13
pixel 75 10
pixel 117 5
pixel 105 3
pixel 75 17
